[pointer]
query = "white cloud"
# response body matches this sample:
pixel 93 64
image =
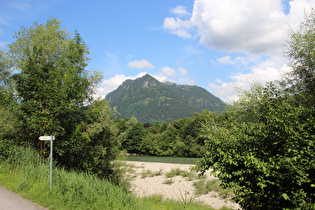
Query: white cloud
pixel 225 60
pixel 171 23
pixel 181 33
pixel 142 64
pixel 297 8
pixel 168 71
pixel 179 76
pixel 260 73
pixel 239 61
pixel 183 71
pixel 249 26
pixel 186 80
pixel 252 26
pixel 179 10
pixel 178 27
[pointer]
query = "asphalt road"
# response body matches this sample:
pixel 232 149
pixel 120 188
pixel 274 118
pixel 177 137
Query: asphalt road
pixel 12 201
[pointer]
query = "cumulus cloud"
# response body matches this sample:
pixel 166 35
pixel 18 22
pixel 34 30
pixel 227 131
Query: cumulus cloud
pixel 261 73
pixel 178 27
pixel 142 64
pixel 183 71
pixel 180 75
pixel 255 29
pixel 226 60
pixel 238 61
pixel 168 71
pixel 251 27
pixel 179 10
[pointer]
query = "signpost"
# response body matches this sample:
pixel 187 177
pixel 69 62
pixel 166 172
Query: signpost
pixel 51 138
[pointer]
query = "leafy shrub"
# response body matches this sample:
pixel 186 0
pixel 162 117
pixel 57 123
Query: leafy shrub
pixel 268 162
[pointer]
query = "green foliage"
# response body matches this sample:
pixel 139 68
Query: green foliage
pixel 185 200
pixel 70 190
pixel 263 145
pixel 267 161
pixel 9 128
pixel 52 83
pixel 176 138
pixel 27 174
pixel 6 86
pixel 204 187
pixel 134 138
pixel 177 172
pixel 92 146
pixel 55 97
pixel 301 54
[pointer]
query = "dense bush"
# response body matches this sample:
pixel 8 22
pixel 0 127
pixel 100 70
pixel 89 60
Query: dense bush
pixel 269 162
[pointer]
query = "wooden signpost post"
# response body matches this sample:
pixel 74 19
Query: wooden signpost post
pixel 51 138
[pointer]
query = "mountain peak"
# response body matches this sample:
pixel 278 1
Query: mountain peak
pixel 149 100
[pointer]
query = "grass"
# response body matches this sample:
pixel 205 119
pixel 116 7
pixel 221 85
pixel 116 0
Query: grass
pixel 25 173
pixel 157 159
pixel 187 174
pixel 204 187
pixel 149 173
pixel 168 181
pixel 185 200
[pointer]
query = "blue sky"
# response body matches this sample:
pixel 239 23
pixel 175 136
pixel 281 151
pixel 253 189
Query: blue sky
pixel 218 45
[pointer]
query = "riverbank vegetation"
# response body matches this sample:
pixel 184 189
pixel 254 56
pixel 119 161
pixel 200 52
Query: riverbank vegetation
pixel 26 173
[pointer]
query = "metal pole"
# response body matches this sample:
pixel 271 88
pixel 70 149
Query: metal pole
pixel 51 159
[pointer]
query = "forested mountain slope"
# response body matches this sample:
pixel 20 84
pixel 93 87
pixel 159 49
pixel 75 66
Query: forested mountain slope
pixel 149 100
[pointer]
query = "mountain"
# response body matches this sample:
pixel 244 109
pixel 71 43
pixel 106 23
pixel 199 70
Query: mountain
pixel 149 100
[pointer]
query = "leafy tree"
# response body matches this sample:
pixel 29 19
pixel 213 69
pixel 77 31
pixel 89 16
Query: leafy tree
pixel 301 54
pixel 269 162
pixel 134 139
pixel 6 89
pixel 92 146
pixel 124 127
pixel 52 83
pixel 147 145
pixel 9 124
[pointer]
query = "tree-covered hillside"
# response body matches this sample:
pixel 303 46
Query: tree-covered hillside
pixel 149 100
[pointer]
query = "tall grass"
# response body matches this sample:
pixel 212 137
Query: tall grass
pixel 70 190
pixel 26 173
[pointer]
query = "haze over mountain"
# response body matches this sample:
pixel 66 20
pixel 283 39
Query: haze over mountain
pixel 149 100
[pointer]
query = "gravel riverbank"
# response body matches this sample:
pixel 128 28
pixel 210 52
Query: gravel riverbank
pixel 149 178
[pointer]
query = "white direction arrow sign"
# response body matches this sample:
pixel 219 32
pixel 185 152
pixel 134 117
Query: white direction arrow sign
pixel 44 138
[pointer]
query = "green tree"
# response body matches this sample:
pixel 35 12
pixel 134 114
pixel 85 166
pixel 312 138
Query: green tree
pixel 135 136
pixel 52 83
pixel 269 162
pixel 9 124
pixel 301 55
pixel 92 146
pixel 6 88
pixel 124 127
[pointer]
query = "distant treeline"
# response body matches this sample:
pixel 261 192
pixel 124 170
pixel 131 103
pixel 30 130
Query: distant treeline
pixel 175 138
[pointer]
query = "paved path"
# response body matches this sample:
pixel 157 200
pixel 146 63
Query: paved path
pixel 12 201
